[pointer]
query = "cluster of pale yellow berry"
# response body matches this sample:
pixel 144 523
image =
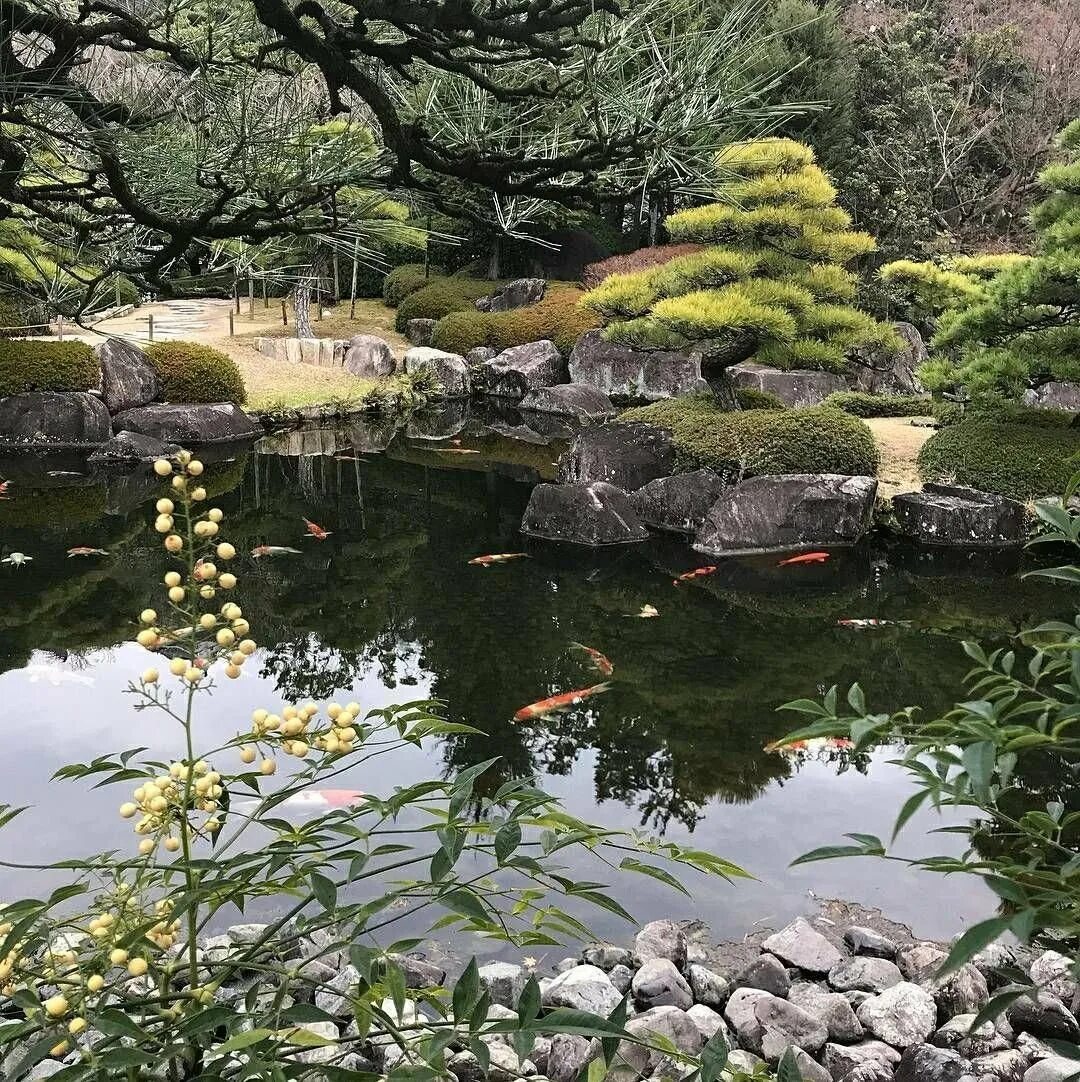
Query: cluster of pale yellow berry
pixel 161 802
pixel 292 730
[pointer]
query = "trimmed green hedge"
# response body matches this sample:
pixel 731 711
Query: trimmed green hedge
pixel 192 372
pixel 440 297
pixel 812 440
pixel 861 404
pixel 406 279
pixel 1002 411
pixel 1021 461
pixel 750 398
pixel 46 366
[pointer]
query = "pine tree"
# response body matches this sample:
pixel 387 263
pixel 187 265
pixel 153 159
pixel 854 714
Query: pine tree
pixel 772 288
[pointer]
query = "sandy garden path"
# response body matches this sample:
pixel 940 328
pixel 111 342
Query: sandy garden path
pixel 899 440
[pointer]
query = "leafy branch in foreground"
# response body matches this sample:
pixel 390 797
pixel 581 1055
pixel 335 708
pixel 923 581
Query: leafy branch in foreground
pixel 113 972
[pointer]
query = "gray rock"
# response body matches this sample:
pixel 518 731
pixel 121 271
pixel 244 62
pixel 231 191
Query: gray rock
pixel 592 514
pixel 622 977
pixel 1055 395
pixel 880 373
pixel 962 992
pixel 956 1034
pixel 857 998
pixel 708 1022
pixel 1043 1015
pixel 778 512
pixel 998 956
pixel 865 941
pixel 741 1060
pixel 766 973
pixel 420 973
pixel 519 293
pixel 478 354
pixel 679 503
pixel 246 934
pixel 668 1022
pixel 126 448
pixel 741 1015
pixel 659 984
pixel 128 379
pixel 323 1053
pixel 1053 1069
pixel 585 988
pixel 606 956
pixel 45 1069
pixel 831 1008
pixel 793 388
pixel 464 1066
pixel 631 375
pixel 569 1055
pixel 661 939
pixel 870 1072
pixel 809 1069
pixel 926 1063
pixel 864 974
pixel 708 987
pixel 1032 1047
pixel 520 370
pixel 903 1015
pixel 370 357
pixel 212 422
pixel 1006 1065
pixel 449 371
pixel 1054 972
pixel 419 332
pixel 337 997
pixel 959 516
pixel 801 944
pixel 784 1025
pixel 540 1053
pixel 920 961
pixel 577 400
pixel 504 1064
pixel 628 455
pixel 504 982
pixel 53 420
pixel 839 1059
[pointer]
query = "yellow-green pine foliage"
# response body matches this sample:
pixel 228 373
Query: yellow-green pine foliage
pixel 773 288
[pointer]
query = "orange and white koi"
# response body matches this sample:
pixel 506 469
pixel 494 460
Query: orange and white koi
pixel 312 800
pixel 556 703
pixel 600 662
pixel 647 612
pixel 317 531
pixel 273 550
pixel 86 550
pixel 456 451
pixel 697 573
pixel 4 494
pixel 498 558
pixel 873 622
pixel 805 558
pixel 817 743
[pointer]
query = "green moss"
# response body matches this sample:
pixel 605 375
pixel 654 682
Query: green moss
pixel 749 442
pixel 440 297
pixel 861 404
pixel 191 372
pixel 1021 461
pixel 750 398
pixel 46 366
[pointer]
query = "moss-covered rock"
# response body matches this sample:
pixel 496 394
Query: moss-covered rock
pixel 192 372
pixel 46 366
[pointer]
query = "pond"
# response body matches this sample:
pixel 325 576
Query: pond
pixel 388 609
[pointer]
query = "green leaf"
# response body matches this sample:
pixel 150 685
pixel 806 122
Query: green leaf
pixel 466 990
pixel 507 839
pixel 528 1004
pixel 979 759
pixel 466 903
pixel 996 1006
pixel 971 942
pixel 631 864
pixel 324 890
pixel 244 1040
pixel 833 852
pixel 788 1070
pixel 911 806
pixel 714 1057
pixel 116 1023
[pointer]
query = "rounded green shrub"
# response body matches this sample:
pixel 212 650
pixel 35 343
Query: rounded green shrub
pixel 192 372
pixel 1003 411
pixel 861 404
pixel 750 398
pixel 46 366
pixel 15 317
pixel 406 279
pixel 1021 461
pixel 816 439
pixel 441 297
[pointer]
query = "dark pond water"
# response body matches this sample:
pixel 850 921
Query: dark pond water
pixel 388 609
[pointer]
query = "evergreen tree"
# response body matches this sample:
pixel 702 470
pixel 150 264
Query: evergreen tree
pixel 772 288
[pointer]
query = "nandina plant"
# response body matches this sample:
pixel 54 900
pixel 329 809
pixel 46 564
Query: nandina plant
pixel 113 974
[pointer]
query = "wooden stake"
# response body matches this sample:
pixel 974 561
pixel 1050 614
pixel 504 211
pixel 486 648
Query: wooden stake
pixel 150 327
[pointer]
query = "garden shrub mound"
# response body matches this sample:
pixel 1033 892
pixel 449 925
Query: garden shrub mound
pixel 751 398
pixel 440 297
pixel 406 279
pixel 642 259
pixel 192 372
pixel 816 439
pixel 861 404
pixel 1002 411
pixel 1020 461
pixel 46 366
pixel 556 318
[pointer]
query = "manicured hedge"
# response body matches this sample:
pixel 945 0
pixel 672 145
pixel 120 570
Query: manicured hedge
pixel 192 372
pixel 46 366
pixel 1002 411
pixel 861 404
pixel 406 279
pixel 557 318
pixel 640 260
pixel 440 297
pixel 1021 461
pixel 812 440
pixel 750 398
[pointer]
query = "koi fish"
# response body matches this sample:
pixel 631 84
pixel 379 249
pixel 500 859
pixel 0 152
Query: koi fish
pixel 64 473
pixel 317 531
pixel 647 612
pixel 86 550
pixel 312 800
pixel 697 573
pixel 805 558
pixel 556 703
pixel 873 622
pixel 456 451
pixel 601 663
pixel 498 558
pixel 817 743
pixel 273 550
pixel 4 494
pixel 17 559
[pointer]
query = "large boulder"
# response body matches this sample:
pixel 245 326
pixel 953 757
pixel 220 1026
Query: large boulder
pixel 583 988
pixel 519 370
pixel 211 422
pixel 569 400
pixel 776 512
pixel 668 1023
pixel 661 939
pixel 783 1026
pixel 419 332
pixel 1042 1015
pixel 801 944
pixel 126 448
pixel 628 455
pixel 519 293
pixel 449 371
pixel 678 503
pixel 634 375
pixel 903 1015
pixel 1055 395
pixel 877 372
pixel 659 984
pixel 794 388
pixel 369 356
pixel 128 378
pixel 831 1008
pixel 925 1063
pixel 53 420
pixel 955 515
pixel 593 514
pixel 864 974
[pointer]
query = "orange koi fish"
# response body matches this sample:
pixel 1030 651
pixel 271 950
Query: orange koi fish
pixel 498 558
pixel 86 550
pixel 4 494
pixel 556 703
pixel 272 550
pixel 317 531
pixel 817 743
pixel 601 663
pixel 697 573
pixel 805 558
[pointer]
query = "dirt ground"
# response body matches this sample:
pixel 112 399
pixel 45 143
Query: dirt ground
pixel 900 439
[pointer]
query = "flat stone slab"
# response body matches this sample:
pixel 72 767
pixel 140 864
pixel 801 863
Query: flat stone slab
pixel 577 400
pixel 628 455
pixel 582 514
pixel 626 374
pixel 213 422
pixel 961 517
pixel 53 420
pixel 797 387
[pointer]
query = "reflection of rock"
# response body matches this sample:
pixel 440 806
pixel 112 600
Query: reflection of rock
pixel 300 442
pixel 52 420
pixel 520 370
pixel 776 512
pixel 879 373
pixel 628 455
pixel 633 375
pixel 502 418
pixel 215 422
pixel 516 294
pixel 369 357
pixel 438 424
pixel 678 503
pixel 448 370
pixel 571 399
pixel 127 447
pixel 127 377
pixel 794 388
pixel 954 515
pixel 587 514
pixel 371 434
